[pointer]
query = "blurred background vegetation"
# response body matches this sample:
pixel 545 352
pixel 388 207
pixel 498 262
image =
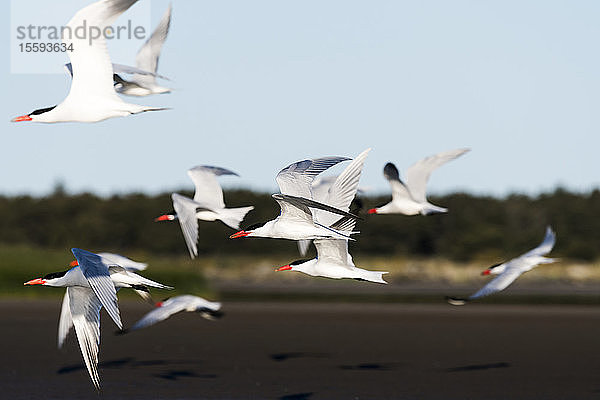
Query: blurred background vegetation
pixel 36 234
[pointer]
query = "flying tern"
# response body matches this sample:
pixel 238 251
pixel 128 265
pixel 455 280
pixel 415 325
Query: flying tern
pixel 207 205
pixel 295 200
pixel 92 97
pixel 91 285
pixel 409 197
pixel 173 305
pixel 509 271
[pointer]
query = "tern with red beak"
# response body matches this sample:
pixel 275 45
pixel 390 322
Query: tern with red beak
pixel 207 205
pixel 295 221
pixel 409 197
pixel 91 285
pixel 509 271
pixel 333 259
pixel 174 305
pixel 92 97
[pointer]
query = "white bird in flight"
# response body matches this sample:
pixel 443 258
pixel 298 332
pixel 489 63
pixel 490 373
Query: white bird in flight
pixel 409 197
pixel 90 285
pixel 92 97
pixel 295 200
pixel 147 60
pixel 333 259
pixel 207 205
pixel 509 271
pixel 173 305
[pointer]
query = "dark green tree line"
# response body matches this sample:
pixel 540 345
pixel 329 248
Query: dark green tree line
pixel 475 226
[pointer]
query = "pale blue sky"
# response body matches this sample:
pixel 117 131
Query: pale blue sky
pixel 264 83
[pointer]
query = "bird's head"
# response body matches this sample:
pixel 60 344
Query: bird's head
pixel 494 269
pixel 294 266
pixel 37 115
pixel 249 231
pixel 170 216
pixel 53 279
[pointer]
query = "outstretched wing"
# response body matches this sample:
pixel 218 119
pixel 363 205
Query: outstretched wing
pixel 399 190
pixel 304 205
pixel 128 264
pixel 545 247
pixel 98 276
pixel 91 65
pixel 333 250
pixel 148 55
pixel 342 191
pixel 168 308
pixel 499 283
pixel 418 173
pixel 296 178
pixel 65 321
pixel 85 310
pixel 186 214
pixel 208 191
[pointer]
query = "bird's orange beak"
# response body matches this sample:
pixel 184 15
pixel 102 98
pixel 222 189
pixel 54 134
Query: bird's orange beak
pixel 159 304
pixel 284 268
pixel 73 263
pixel 372 211
pixel 38 281
pixel 162 218
pixel 21 118
pixel 239 234
pixel 486 272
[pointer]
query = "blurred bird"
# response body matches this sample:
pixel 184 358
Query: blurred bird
pixel 89 287
pixel 509 271
pixel 409 197
pixel 207 205
pixel 173 305
pixel 295 200
pixel 333 259
pixel 92 97
pixel 147 60
pixel 91 284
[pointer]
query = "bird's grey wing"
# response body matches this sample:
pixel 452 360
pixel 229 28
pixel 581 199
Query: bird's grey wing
pixel 148 55
pixel 545 247
pixel 128 264
pixel 333 250
pixel 418 173
pixel 293 211
pixel 186 214
pixel 499 283
pixel 208 190
pixel 128 69
pixel 159 314
pixel 296 179
pixel 85 310
pixel 65 322
pixel 342 191
pixel 399 190
pixel 303 203
pixel 91 64
pixel 98 276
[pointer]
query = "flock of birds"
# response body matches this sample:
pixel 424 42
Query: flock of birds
pixel 313 208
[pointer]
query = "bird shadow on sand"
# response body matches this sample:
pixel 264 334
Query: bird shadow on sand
pixel 297 396
pixel 297 354
pixel 385 366
pixel 132 363
pixel 477 367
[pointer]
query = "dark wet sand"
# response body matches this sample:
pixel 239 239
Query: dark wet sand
pixel 313 351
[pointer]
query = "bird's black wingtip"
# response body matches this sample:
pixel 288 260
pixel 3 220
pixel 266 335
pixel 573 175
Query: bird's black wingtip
pixel 121 332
